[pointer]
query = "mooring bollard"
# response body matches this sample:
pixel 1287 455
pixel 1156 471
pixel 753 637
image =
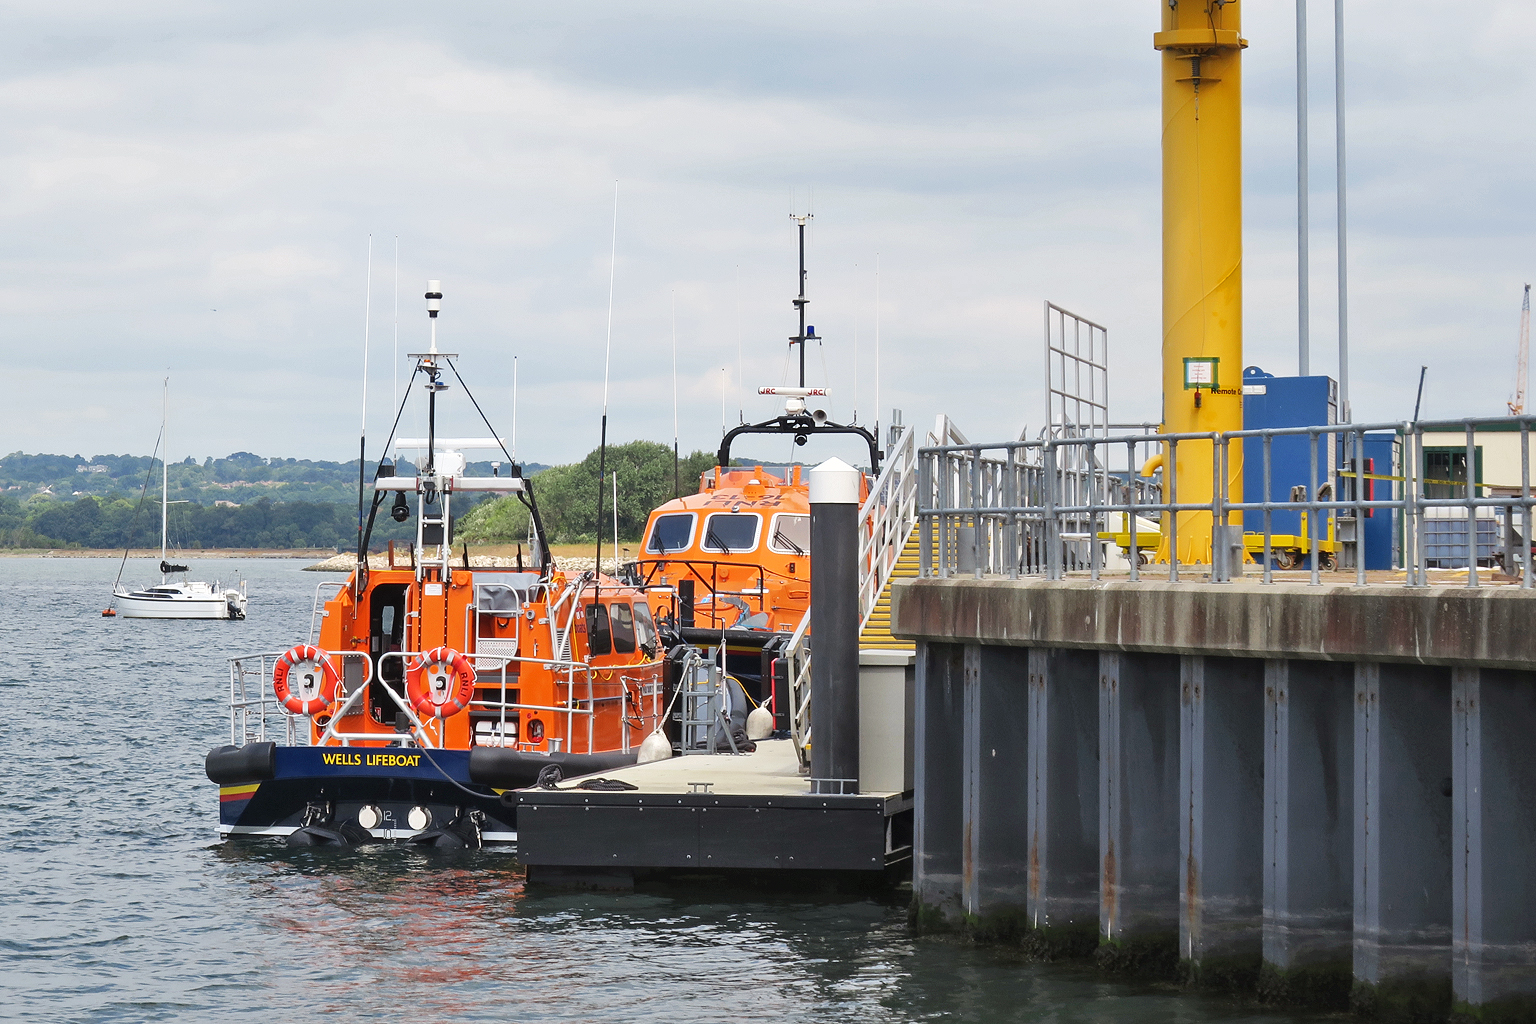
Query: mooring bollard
pixel 834 487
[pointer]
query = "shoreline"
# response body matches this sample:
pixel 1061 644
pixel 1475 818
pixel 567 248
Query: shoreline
pixel 155 554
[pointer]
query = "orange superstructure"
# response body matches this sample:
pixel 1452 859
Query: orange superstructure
pixel 736 555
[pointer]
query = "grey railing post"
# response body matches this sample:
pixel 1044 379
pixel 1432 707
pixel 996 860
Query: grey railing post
pixel 1312 510
pixel 925 518
pixel 1171 499
pixel 1421 554
pixel 1133 473
pixel 1269 572
pixel 1360 507
pixel 1011 496
pixel 1471 507
pixel 1093 530
pixel 1525 504
pixel 1052 527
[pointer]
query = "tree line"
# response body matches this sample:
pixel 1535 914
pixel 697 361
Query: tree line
pixel 566 495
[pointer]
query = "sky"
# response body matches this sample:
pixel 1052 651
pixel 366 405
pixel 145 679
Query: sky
pixel 189 189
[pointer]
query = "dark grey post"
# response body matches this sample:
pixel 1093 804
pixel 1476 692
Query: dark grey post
pixel 1402 839
pixel 834 496
pixel 1063 811
pixel 1493 829
pixel 938 750
pixel 1221 839
pixel 1139 807
pixel 1308 830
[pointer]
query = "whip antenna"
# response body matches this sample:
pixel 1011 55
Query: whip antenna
pixel 677 489
pixel 602 448
pixel 362 440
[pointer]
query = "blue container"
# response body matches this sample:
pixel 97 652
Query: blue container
pixel 1270 402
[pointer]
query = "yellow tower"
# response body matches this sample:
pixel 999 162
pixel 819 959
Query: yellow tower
pixel 1202 255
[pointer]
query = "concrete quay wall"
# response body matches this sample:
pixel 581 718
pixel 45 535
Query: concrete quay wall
pixel 1324 795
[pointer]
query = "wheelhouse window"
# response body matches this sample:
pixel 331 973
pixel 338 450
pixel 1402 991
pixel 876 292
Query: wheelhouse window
pixel 645 628
pixel 791 535
pixel 728 532
pixel 623 629
pixel 599 638
pixel 670 533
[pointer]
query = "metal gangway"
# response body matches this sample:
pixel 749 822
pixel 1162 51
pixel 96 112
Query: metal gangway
pixel 888 520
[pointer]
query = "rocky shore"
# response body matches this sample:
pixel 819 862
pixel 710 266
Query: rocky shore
pixel 569 563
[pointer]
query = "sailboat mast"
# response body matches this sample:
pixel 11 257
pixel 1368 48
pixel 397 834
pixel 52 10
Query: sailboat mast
pixel 165 461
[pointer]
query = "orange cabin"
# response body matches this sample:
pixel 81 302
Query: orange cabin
pixel 559 665
pixel 736 555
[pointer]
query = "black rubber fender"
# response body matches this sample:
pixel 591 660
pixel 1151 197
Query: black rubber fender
pixel 254 762
pixel 516 769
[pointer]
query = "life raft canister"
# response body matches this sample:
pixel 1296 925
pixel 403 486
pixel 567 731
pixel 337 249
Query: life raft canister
pixel 314 674
pixel 441 683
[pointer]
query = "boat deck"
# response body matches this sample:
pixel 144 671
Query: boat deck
pixel 717 812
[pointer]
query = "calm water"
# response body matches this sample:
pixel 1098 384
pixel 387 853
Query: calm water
pixel 118 903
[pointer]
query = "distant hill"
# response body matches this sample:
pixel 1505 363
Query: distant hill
pixel 242 501
pixel 236 479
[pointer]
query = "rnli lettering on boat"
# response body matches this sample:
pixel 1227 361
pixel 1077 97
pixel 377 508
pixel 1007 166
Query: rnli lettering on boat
pixel 373 760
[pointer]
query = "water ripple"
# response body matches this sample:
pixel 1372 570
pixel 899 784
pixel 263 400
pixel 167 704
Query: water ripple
pixel 120 904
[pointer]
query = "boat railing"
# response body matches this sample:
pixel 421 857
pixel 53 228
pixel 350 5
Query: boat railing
pixel 712 583
pixel 252 702
pixel 324 592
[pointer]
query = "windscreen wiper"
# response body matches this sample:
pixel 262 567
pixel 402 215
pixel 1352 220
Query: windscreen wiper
pixel 778 535
pixel 712 537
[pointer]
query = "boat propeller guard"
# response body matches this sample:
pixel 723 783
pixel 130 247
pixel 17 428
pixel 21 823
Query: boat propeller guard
pixel 441 684
pixel 315 675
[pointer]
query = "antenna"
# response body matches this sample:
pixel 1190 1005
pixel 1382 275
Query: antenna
pixel 877 348
pixel 394 361
pixel 722 401
pixel 741 408
pixel 165 464
pixel 1420 400
pixel 602 447
pixel 677 487
pixel 362 434
pixel 801 301
pixel 855 418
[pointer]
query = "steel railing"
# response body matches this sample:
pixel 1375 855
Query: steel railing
pixel 1046 508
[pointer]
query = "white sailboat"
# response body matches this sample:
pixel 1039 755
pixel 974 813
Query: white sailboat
pixel 188 599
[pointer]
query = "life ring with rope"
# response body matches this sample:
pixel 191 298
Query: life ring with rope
pixel 304 680
pixel 441 683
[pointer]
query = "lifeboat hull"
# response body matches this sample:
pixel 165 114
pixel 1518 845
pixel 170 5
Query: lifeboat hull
pixel 328 789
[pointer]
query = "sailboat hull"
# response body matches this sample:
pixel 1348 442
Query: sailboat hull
pixel 150 605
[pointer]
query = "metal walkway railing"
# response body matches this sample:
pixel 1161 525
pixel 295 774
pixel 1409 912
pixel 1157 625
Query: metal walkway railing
pixel 1009 508
pixel 887 520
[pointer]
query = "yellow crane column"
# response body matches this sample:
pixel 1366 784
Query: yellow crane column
pixel 1202 254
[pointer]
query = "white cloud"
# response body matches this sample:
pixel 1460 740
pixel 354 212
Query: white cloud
pixel 191 187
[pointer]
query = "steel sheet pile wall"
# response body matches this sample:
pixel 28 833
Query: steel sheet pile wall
pixel 1285 815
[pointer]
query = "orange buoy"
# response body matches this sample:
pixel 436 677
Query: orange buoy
pixel 108 612
pixel 315 675
pixel 441 683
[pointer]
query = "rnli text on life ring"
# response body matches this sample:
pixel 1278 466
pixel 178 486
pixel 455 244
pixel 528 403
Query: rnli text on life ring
pixel 304 680
pixel 441 683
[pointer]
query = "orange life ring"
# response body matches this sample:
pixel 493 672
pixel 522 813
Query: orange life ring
pixel 305 663
pixel 441 683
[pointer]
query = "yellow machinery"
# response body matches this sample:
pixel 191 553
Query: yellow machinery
pixel 1202 256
